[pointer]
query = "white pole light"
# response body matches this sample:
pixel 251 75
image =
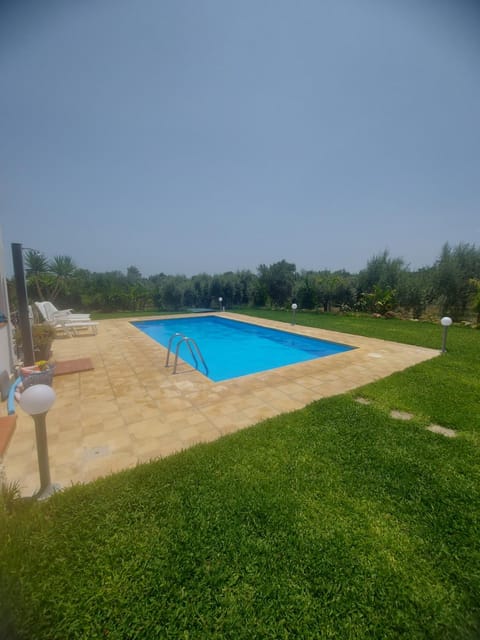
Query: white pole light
pixel 220 300
pixel 445 322
pixel 36 401
pixel 294 308
pixel 38 398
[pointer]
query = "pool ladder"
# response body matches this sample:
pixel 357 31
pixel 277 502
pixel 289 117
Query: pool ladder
pixel 191 344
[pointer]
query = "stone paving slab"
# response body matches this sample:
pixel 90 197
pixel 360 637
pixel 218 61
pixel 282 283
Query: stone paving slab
pixel 444 431
pixel 401 415
pixel 132 409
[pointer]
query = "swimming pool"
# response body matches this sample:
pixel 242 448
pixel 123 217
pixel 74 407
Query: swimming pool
pixel 232 348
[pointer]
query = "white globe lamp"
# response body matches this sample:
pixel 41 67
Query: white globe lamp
pixel 294 308
pixel 445 322
pixel 36 401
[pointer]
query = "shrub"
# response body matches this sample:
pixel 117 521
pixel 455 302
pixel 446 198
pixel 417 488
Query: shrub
pixel 9 494
pixel 43 336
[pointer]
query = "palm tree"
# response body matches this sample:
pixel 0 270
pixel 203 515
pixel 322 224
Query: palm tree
pixel 37 271
pixel 62 269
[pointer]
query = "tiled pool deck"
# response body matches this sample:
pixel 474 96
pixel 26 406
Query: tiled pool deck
pixel 131 409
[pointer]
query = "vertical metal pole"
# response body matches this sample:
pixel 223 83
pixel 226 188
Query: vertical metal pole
pixel 42 450
pixel 22 299
pixel 444 340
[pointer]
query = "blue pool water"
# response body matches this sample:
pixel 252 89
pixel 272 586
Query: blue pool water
pixel 232 349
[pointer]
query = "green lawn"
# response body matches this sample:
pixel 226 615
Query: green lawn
pixel 105 315
pixel 335 521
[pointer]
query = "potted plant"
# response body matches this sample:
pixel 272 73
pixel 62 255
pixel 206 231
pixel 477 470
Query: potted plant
pixel 41 372
pixel 43 336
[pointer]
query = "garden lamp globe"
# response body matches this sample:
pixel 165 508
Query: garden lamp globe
pixel 36 401
pixel 445 322
pixel 294 308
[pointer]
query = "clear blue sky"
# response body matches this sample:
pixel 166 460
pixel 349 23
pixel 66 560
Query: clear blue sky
pixel 184 136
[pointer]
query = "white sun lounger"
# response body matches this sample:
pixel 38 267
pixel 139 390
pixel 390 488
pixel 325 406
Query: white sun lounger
pixel 77 328
pixel 50 313
pixel 65 322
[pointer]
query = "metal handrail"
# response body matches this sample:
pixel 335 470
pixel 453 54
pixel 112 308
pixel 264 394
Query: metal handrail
pixel 179 344
pixel 189 342
pixel 175 335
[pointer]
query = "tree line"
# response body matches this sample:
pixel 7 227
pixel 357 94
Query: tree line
pixel 386 285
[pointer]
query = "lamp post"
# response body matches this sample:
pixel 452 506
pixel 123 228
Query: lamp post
pixel 36 401
pixel 294 308
pixel 220 300
pixel 445 322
